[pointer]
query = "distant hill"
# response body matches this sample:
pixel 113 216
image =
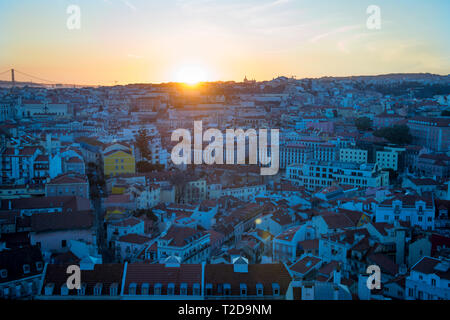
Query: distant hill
pixel 398 76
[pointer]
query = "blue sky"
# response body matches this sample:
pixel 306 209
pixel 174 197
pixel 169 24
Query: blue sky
pixel 151 41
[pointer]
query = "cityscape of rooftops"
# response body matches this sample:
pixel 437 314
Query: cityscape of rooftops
pixel 207 150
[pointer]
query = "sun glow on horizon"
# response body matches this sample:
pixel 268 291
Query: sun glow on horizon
pixel 191 74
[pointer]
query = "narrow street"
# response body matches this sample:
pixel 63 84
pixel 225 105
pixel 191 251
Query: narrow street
pixel 99 213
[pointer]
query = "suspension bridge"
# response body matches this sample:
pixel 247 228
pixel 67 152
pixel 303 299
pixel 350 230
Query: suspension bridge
pixel 17 78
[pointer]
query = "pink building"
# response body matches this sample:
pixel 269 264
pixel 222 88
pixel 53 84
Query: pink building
pixel 433 133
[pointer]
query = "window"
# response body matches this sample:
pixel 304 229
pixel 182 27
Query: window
pixel 433 282
pixel 64 290
pixel 196 289
pixel 145 288
pixel 170 289
pixel 226 289
pixel 208 289
pixel 132 288
pixel 113 289
pixel 259 289
pixel 82 290
pixel 157 289
pixel 275 289
pixel 26 268
pixel 243 289
pixel 183 289
pixel 98 289
pixel 63 243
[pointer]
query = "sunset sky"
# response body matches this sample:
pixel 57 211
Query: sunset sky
pixel 131 41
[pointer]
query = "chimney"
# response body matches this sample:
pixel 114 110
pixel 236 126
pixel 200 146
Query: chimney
pixel 337 275
pixel 400 238
pixel 363 290
pixel 49 143
pixel 336 293
pixel 307 292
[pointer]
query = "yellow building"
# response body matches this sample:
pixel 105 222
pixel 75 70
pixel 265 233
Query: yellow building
pixel 118 159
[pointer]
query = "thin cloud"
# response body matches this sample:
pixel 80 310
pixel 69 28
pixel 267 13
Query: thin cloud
pixel 334 32
pixel 129 5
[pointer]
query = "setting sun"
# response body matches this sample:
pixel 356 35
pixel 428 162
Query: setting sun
pixel 191 74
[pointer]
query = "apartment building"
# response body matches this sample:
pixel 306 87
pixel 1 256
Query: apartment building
pixel 433 133
pixel 319 174
pixel 429 279
pixel 353 155
pixel 418 211
pixel 118 159
pixel 290 154
pixel 188 244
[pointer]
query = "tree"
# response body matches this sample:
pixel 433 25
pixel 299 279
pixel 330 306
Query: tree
pixel 393 175
pixel 144 166
pixel 142 140
pixel 397 134
pixel 179 181
pixel 147 212
pixel 363 123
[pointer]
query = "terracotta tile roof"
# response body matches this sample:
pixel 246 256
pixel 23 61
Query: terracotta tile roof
pixel 337 220
pixel 305 265
pixel 65 202
pixel 46 222
pixel 118 198
pixel 437 241
pixel 408 200
pixel 430 265
pixel 28 151
pixel 69 178
pixel 381 227
pixel 423 182
pixel 352 215
pixel 282 218
pixel 266 274
pixel 386 264
pixel 129 222
pixel 106 274
pixel 289 234
pixel 134 238
pixel 153 274
pixel 74 160
pixel 179 236
pixel 311 244
pixel 42 158
pixel 328 268
pixel 65 258
pixel 13 261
